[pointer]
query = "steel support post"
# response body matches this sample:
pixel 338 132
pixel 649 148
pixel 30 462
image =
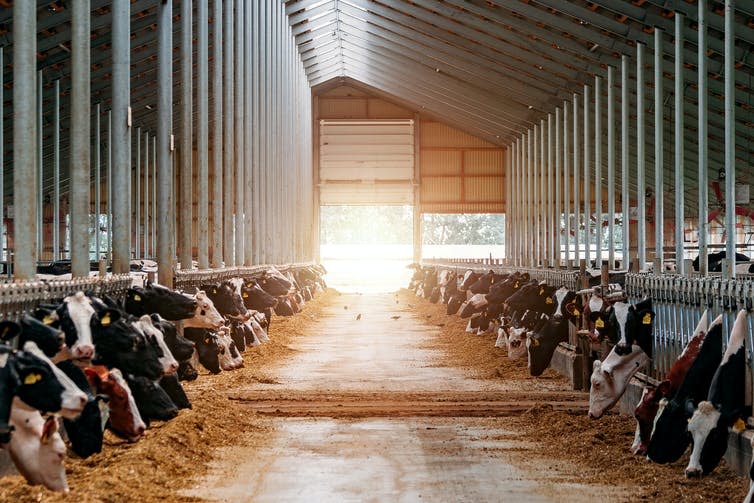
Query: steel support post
pixel 166 209
pixel 154 197
pixel 55 171
pixel 587 196
pixel 40 165
pixel 730 142
pixel 137 195
pixel 659 154
pixel 110 185
pixel 566 184
pixel 679 147
pixel 576 181
pixel 624 160
pixel 80 160
pixel 535 201
pixel 702 159
pixel 186 151
pixel 598 169
pixel 641 196
pixel 558 193
pixel 542 209
pixel 530 206
pixel 248 235
pixel 97 186
pixel 611 166
pixel 121 135
pixel 239 156
pixel 217 134
pixel 202 133
pixel 146 195
pixel 509 156
pixel 229 249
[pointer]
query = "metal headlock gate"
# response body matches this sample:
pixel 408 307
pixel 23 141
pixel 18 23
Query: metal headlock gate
pixel 678 302
pixel 22 297
pixel 195 278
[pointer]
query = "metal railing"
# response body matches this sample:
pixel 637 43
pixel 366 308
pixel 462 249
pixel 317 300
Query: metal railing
pixel 22 297
pixel 189 280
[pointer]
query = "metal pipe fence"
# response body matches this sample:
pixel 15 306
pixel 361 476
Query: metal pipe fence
pixel 191 279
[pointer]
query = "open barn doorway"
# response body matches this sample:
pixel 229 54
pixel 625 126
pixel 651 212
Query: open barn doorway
pixel 366 248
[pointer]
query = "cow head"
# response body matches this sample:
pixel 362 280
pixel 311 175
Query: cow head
pixel 73 400
pixel 632 324
pixel 254 297
pixel 153 335
pixel 75 314
pixel 274 283
pixel 151 400
pixel 541 344
pixel 205 314
pixel 208 347
pixel 227 300
pixel 610 378
pixel 125 419
pixel 85 432
pixel 180 347
pixel 168 303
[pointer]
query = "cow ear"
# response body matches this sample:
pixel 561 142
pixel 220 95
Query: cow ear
pixel 9 330
pixel 108 316
pixel 49 429
pixel 572 308
pixel 525 276
pixel 597 365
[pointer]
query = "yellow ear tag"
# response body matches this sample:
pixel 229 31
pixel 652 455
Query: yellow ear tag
pixel 47 320
pixel 206 341
pixel 647 320
pixel 739 425
pixel 105 321
pixel 214 291
pixel 137 297
pixel 599 323
pixel 32 379
pixel 516 285
pixel 245 295
pixel 535 343
pixel 548 300
pixel 541 291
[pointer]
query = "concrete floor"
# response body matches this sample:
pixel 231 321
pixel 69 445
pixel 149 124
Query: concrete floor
pixel 390 423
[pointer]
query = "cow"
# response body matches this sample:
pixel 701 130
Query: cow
pixel 151 400
pixel 469 278
pixel 670 436
pixel 632 352
pixel 124 418
pixel 541 344
pixel 36 447
pixel 75 315
pixel 273 282
pixel 205 314
pixel 168 303
pixel 172 386
pixel 531 321
pixel 724 406
pixel 121 346
pixel 475 304
pixel 30 378
pixel 646 410
pixel 180 347
pixel 483 284
pixel 47 338
pixel 151 333
pixel 207 348
pixel 85 432
pixel 73 400
pixel 227 300
pixel 715 261
pixel 454 302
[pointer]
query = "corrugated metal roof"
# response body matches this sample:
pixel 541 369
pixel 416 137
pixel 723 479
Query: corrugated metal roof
pixel 495 68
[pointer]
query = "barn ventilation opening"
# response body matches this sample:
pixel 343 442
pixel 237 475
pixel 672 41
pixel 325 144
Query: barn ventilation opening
pixel 366 248
pixel 463 236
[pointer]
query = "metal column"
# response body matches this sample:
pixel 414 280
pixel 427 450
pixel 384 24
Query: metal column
pixel 110 185
pixel 598 168
pixel 3 255
pixel 186 150
pixel 566 185
pixel 659 153
pixel 535 201
pixel 624 159
pixel 217 135
pixel 154 197
pixel 229 249
pixel 146 195
pixel 641 198
pixel 611 166
pixel 576 168
pixel 530 212
pixel 541 211
pixel 558 192
pixel 166 211
pixel 702 131
pixel 258 71
pixel 550 195
pixel 121 136
pixel 240 136
pixel 679 147
pixel 97 185
pixel 40 165
pixel 202 134
pixel 80 157
pixel 509 209
pixel 587 195
pixel 730 143
pixel 248 236
pixel 55 171
pixel 137 195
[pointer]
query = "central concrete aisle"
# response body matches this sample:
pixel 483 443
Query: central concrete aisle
pixel 365 411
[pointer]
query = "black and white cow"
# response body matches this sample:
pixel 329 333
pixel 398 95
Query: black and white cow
pixel 168 303
pixel 724 406
pixel 541 344
pixel 670 436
